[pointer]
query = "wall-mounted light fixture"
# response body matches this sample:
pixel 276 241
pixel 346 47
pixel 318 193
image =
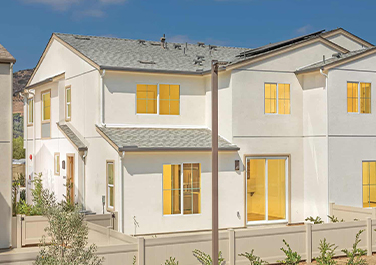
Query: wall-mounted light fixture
pixel 237 165
pixel 63 164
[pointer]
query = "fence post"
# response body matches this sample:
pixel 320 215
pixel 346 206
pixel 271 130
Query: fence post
pixel 308 242
pixel 373 213
pixel 109 234
pixel 369 236
pixel 231 244
pixel 141 251
pixel 19 235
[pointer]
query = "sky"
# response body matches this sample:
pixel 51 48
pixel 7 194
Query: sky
pixel 27 25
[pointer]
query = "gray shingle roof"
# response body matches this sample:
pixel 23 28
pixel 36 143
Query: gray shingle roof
pixel 5 56
pixel 162 139
pixel 127 53
pixel 333 59
pixel 72 137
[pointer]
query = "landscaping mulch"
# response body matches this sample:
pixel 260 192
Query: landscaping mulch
pixel 341 261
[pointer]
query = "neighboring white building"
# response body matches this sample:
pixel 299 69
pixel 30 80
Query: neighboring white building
pixel 6 149
pixel 130 120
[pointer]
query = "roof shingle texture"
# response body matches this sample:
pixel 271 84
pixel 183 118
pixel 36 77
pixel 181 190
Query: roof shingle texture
pixel 72 137
pixel 163 138
pixel 127 53
pixel 333 59
pixel 5 56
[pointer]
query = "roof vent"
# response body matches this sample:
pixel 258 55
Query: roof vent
pixel 155 44
pixel 212 47
pixel 198 62
pixel 81 38
pixel 163 40
pixel 201 44
pixel 141 41
pixel 337 55
pixel 147 62
pixel 177 46
pixel 200 57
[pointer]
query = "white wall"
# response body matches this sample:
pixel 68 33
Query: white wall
pixel 345 42
pixel 143 192
pixel 6 136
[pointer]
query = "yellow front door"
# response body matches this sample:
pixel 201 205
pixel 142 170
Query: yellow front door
pixel 266 189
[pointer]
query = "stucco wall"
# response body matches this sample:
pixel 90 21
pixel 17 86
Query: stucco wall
pixel 6 122
pixel 345 42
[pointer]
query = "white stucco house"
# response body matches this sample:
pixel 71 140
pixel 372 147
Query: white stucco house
pixel 130 120
pixel 6 149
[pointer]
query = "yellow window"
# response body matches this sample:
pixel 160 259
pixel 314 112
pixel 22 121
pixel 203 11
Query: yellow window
pixel 57 164
pixel 147 99
pixel 365 97
pixel 30 111
pixel 192 188
pixel 46 106
pixel 110 185
pixel 169 99
pixel 171 189
pixel 68 101
pixel 369 183
pixel 283 98
pixel 352 97
pixel 270 98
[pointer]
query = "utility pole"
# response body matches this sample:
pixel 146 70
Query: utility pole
pixel 214 91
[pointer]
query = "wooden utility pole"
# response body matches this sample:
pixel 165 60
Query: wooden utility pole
pixel 214 91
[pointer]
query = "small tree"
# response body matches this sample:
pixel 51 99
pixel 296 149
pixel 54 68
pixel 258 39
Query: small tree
pixel 292 257
pixel 171 261
pixel 205 259
pixel 334 219
pixel 18 150
pixel 355 254
pixel 68 233
pixel 326 253
pixel 315 221
pixel 253 259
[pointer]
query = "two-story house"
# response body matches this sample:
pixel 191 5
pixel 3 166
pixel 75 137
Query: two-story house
pixel 130 120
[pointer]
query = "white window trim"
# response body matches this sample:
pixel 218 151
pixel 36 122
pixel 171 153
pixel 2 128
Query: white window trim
pixel 108 206
pixel 277 84
pixel 182 191
pixel 30 100
pixel 44 93
pixel 358 112
pixel 157 114
pixel 266 190
pixel 56 166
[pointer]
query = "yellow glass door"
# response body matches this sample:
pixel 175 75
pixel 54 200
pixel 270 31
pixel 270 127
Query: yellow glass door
pixel 266 189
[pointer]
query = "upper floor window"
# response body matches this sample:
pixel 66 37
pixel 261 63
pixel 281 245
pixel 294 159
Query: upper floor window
pixel 358 92
pixel 277 98
pixel 68 103
pixel 147 99
pixel 163 99
pixel 110 172
pixel 46 106
pixel 169 99
pixel 182 190
pixel 30 111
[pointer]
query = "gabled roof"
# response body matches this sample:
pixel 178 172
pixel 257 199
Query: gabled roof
pixel 46 81
pixel 336 59
pixel 162 139
pixel 72 137
pixel 349 35
pixel 5 56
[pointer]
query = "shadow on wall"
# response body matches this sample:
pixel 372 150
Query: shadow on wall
pixel 152 163
pixel 5 222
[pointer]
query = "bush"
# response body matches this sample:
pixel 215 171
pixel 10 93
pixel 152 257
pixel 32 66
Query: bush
pixel 18 150
pixel 292 258
pixel 171 261
pixel 355 254
pixel 205 259
pixel 315 221
pixel 326 253
pixel 254 260
pixel 334 219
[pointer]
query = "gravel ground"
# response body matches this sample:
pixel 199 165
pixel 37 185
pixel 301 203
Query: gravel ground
pixel 342 261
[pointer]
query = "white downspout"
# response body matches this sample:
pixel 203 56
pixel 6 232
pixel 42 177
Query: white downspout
pixel 34 125
pixel 101 92
pixel 84 181
pixel 122 192
pixel 327 135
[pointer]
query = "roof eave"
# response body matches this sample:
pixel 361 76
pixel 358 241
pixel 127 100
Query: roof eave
pixel 143 70
pixel 162 149
pixel 6 60
pixel 46 81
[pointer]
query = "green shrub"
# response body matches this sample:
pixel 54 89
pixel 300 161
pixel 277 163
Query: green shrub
pixel 18 150
pixel 292 258
pixel 334 219
pixel 326 253
pixel 205 259
pixel 355 254
pixel 171 261
pixel 315 221
pixel 254 260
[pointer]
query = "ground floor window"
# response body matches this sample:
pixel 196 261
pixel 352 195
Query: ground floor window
pixel 57 164
pixel 182 189
pixel 266 189
pixel 110 168
pixel 369 183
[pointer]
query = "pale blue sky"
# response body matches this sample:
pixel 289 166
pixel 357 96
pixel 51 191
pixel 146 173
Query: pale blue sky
pixel 26 25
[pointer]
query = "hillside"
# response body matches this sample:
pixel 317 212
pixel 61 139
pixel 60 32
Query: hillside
pixel 20 80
